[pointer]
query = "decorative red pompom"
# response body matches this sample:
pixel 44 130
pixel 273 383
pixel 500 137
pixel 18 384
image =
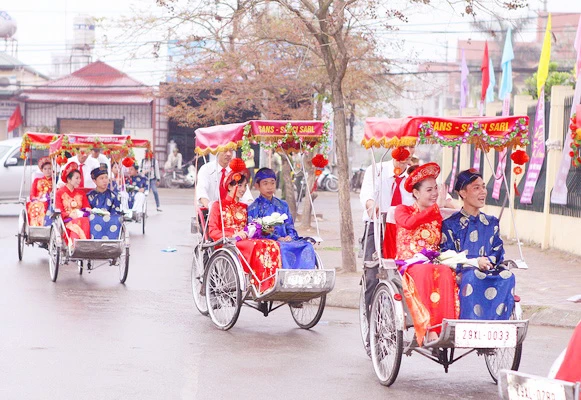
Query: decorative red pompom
pixel 400 154
pixel 320 161
pixel 318 172
pixel 519 157
pixel 517 170
pixel 61 160
pixel 128 162
pixel 571 154
pixel 237 165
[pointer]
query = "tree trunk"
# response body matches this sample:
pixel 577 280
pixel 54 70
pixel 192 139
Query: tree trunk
pixel 307 215
pixel 289 189
pixel 340 134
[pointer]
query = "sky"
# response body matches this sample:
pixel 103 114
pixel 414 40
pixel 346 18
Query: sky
pixel 44 27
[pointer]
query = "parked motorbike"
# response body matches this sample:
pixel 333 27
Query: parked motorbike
pixel 327 181
pixel 357 179
pixel 176 177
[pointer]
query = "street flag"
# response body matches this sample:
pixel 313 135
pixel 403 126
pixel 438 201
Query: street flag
pixel 538 151
pixel 464 86
pixel 484 68
pixel 15 120
pixel 543 69
pixel 492 83
pixel 505 88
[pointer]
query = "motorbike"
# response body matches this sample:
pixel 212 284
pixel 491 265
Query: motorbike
pixel 327 181
pixel 357 179
pixel 176 177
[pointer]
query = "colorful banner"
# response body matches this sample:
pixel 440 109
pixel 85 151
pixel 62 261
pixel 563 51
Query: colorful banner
pixel 499 176
pixel 278 128
pixel 538 151
pixel 477 157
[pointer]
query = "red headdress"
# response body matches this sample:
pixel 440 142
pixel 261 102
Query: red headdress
pixel 70 167
pixel 238 168
pixel 43 161
pixel 429 170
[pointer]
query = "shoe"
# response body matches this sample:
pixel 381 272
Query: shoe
pixel 159 209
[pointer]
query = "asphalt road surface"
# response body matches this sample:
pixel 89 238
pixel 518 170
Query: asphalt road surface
pixel 89 337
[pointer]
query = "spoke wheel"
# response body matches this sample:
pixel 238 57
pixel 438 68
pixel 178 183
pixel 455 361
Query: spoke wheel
pixel 307 314
pixel 199 258
pixel 54 252
pixel 386 341
pixel 223 293
pixel 21 234
pixel 363 320
pixel 123 262
pixel 503 358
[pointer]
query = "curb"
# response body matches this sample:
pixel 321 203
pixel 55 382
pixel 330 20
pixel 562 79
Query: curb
pixel 537 315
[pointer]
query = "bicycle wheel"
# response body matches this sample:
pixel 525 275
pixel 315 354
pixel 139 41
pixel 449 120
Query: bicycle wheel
pixel 123 262
pixel 308 313
pixel 223 293
pixel 503 358
pixel 54 251
pixel 385 340
pixel 21 233
pixel 363 320
pixel 198 280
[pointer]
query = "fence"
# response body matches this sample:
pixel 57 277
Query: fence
pixel 573 207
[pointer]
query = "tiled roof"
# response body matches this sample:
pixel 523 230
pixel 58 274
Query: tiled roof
pixel 86 98
pixel 97 75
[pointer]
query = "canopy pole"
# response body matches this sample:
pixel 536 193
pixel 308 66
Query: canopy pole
pixel 510 206
pixel 309 194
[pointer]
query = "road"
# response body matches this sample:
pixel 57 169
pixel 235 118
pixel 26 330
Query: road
pixel 89 337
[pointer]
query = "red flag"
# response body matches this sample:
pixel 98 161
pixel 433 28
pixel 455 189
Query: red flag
pixel 484 68
pixel 15 120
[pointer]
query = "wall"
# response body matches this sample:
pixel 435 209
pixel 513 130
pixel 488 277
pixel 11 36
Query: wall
pixel 40 115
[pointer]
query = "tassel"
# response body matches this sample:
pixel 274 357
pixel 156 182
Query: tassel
pixel 516 192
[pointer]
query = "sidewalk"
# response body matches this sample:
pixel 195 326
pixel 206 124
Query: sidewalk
pixel 552 277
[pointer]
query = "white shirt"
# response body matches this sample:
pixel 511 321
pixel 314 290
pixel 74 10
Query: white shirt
pixel 382 191
pixel 209 177
pixel 89 165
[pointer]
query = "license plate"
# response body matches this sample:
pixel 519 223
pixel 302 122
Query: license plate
pixel 485 336
pixel 533 388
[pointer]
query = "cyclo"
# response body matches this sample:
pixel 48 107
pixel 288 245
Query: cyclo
pixel 88 253
pixel 140 218
pixel 390 326
pixel 220 285
pixel 39 232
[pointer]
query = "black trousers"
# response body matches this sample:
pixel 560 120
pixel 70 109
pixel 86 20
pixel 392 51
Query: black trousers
pixel 370 274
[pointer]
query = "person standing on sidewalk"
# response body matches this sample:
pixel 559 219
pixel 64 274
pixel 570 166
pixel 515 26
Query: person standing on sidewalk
pixel 486 292
pixel 150 169
pixel 392 193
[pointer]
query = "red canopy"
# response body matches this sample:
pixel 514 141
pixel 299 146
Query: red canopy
pixel 35 140
pixel 495 132
pixel 281 134
pixel 69 141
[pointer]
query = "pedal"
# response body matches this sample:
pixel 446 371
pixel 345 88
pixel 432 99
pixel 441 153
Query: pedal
pixel 521 264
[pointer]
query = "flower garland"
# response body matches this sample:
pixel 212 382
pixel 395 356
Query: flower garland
pixel 576 142
pixel 475 130
pixel 290 140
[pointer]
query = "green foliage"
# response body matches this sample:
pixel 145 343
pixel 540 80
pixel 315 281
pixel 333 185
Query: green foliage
pixel 555 78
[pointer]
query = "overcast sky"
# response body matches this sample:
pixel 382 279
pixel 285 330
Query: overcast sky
pixel 44 28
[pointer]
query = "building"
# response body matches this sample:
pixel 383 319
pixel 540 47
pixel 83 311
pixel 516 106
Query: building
pixel 14 76
pixel 95 99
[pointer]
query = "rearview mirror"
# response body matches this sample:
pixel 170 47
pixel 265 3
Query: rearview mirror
pixel 11 162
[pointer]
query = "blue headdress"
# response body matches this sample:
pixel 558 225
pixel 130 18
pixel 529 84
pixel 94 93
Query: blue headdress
pixel 264 173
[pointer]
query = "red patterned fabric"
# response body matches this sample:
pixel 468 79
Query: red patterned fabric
pixel 68 201
pixel 389 237
pixel 38 204
pixel 262 255
pixel 434 285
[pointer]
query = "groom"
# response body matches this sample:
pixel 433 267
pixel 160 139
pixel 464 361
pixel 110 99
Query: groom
pixel 486 292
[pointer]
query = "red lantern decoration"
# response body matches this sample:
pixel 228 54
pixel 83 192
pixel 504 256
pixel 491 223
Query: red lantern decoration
pixel 61 160
pixel 320 161
pixel 318 172
pixel 519 157
pixel 400 154
pixel 128 162
pixel 517 170
pixel 237 165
